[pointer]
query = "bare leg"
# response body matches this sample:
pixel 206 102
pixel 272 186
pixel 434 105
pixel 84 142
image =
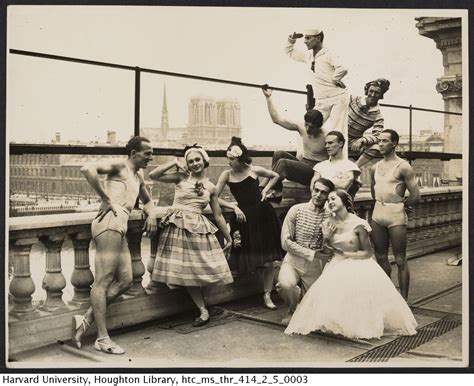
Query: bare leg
pixel 268 275
pixel 381 239
pixel 113 276
pixel 398 238
pixel 196 295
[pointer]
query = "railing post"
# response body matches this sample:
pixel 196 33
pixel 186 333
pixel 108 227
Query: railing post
pixel 134 239
pixel 410 129
pixel 137 101
pixel 22 286
pixel 53 281
pixel 81 277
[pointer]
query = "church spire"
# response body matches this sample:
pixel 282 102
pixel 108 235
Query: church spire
pixel 164 115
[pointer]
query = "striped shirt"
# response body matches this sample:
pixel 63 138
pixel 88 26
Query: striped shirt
pixel 361 118
pixel 301 232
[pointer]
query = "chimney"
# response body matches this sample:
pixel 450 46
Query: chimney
pixel 57 137
pixel 111 137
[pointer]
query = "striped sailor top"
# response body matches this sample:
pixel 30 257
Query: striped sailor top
pixel 362 118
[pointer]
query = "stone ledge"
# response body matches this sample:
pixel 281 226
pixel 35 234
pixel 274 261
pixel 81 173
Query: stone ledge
pixel 48 328
pixel 22 224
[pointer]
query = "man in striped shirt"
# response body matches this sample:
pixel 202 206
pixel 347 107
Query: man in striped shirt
pixel 365 122
pixel 301 238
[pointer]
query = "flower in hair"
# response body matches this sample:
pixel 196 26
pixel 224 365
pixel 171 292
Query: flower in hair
pixel 234 151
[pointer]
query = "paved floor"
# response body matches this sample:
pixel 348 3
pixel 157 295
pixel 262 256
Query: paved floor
pixel 244 334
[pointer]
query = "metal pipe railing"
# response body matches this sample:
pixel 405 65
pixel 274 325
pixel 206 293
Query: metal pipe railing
pixel 20 149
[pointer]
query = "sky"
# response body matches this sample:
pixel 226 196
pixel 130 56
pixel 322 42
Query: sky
pixel 244 44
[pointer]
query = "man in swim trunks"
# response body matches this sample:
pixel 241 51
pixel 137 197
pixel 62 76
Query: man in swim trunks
pixel 390 178
pixel 122 185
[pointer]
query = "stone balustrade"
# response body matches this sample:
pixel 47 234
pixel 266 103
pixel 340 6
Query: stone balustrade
pixel 435 224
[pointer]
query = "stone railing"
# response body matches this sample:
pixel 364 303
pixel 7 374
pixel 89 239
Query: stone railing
pixel 435 224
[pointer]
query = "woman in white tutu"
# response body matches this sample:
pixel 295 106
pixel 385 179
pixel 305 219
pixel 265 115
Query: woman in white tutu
pixel 353 296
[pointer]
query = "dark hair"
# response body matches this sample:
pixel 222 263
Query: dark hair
pixel 324 181
pixel 384 85
pixel 346 199
pixel 314 117
pixel 393 135
pixel 196 146
pixel 135 143
pixel 339 135
pixel 244 157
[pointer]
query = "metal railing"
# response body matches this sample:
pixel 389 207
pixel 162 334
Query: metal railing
pixel 81 149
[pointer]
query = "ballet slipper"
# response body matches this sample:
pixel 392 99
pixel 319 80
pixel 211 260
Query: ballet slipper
pixel 108 347
pixel 79 323
pixel 267 300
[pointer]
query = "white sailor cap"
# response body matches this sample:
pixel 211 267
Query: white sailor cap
pixel 312 31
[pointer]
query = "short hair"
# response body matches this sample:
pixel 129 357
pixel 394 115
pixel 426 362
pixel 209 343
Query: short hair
pixel 244 157
pixel 338 134
pixel 135 143
pixel 384 85
pixel 393 135
pixel 346 199
pixel 324 181
pixel 314 117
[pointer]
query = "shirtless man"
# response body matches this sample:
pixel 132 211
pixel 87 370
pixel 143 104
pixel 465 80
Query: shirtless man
pixel 113 269
pixel 300 168
pixel 390 178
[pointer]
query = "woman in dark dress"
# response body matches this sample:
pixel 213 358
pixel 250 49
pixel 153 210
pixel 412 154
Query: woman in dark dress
pixel 257 221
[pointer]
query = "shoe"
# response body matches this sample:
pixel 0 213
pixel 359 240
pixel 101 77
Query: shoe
pixel 267 300
pixel 78 322
pixel 274 198
pixel 200 322
pixel 108 347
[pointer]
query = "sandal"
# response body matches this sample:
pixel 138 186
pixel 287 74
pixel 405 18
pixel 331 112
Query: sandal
pixel 108 347
pixel 78 322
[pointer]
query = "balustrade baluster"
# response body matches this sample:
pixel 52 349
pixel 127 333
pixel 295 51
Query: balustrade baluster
pixel 134 238
pixel 81 277
pixel 22 285
pixel 53 281
pixel 428 222
pixel 451 226
pixel 458 212
pixel 435 217
pixel 442 217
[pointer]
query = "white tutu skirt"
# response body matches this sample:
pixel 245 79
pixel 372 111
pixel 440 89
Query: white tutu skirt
pixel 354 298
